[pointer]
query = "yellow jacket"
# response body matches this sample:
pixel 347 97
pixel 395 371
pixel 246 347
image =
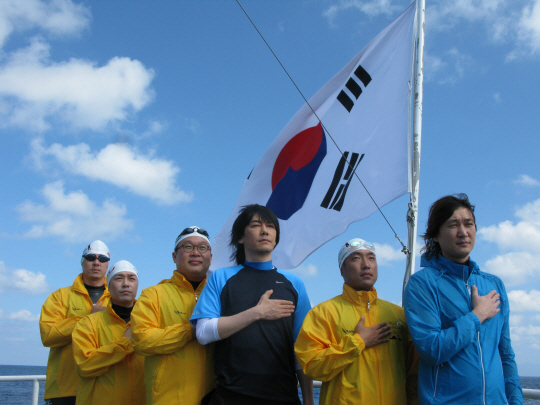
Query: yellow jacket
pixel 111 373
pixel 59 316
pixel 328 350
pixel 177 369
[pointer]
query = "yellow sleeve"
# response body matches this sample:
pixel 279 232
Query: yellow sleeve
pixel 91 360
pixel 147 336
pixel 54 327
pixel 413 360
pixel 319 353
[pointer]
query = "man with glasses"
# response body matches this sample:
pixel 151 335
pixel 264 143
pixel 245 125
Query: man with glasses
pixel 357 344
pixel 254 312
pixel 177 368
pixel 61 312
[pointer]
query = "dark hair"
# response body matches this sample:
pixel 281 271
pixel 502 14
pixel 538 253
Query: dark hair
pixel 439 212
pixel 246 214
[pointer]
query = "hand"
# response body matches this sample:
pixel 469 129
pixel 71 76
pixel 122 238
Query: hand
pixel 97 307
pixel 485 306
pixel 273 309
pixel 373 335
pixel 127 333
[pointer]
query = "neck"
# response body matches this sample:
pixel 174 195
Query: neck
pixel 93 283
pixel 122 304
pixel 256 257
pixel 463 262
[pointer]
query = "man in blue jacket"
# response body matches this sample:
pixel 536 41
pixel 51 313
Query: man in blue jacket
pixel 458 316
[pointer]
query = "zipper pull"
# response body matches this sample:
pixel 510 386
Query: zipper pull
pixel 368 305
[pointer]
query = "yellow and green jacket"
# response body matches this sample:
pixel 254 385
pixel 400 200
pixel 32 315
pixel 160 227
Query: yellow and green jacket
pixel 111 373
pixel 329 350
pixel 59 316
pixel 177 368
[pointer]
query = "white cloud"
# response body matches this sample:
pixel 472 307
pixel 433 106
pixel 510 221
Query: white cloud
pixel 306 270
pixel 116 164
pixel 519 261
pixel 528 181
pixel 528 31
pixel 504 21
pixel 386 254
pixel 22 281
pixel 523 236
pixel 371 8
pixel 522 301
pixel 57 17
pixel 21 315
pixel 515 268
pixel 74 217
pixel 35 91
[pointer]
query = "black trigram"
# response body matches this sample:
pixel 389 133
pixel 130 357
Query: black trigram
pixel 344 177
pixel 354 88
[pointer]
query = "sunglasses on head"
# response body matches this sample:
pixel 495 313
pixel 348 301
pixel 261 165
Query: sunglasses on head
pixel 194 229
pixel 91 257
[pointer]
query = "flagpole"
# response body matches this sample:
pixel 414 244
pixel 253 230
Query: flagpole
pixel 412 214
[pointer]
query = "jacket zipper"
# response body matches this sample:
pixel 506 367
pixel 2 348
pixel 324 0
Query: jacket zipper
pixel 479 346
pixel 482 364
pixel 436 379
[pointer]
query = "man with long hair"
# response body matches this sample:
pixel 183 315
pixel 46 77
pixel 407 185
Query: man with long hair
pixel 458 316
pixel 254 312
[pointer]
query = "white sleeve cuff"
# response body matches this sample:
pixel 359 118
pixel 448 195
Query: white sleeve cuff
pixel 207 331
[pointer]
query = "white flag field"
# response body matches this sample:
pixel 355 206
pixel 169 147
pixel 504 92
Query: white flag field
pixel 305 179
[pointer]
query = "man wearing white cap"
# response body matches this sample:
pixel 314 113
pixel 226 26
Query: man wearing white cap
pixel 111 373
pixel 177 368
pixel 357 344
pixel 59 316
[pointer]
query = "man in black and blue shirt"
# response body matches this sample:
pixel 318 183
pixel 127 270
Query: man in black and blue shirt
pixel 253 312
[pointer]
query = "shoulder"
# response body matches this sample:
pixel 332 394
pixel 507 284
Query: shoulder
pixel 219 277
pixel 293 279
pixel 390 306
pixel 330 306
pixel 61 293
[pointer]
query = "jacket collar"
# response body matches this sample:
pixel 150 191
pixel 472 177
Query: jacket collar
pixel 113 314
pixel 359 297
pixel 181 281
pixel 78 285
pixel 446 266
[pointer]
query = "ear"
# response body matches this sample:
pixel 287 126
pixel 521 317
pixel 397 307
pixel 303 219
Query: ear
pixel 174 257
pixel 435 239
pixel 241 240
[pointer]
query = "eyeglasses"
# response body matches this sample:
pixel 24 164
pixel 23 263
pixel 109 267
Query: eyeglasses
pixel 92 257
pixel 189 248
pixel 194 229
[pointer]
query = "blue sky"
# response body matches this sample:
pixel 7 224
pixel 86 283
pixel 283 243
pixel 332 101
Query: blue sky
pixel 128 121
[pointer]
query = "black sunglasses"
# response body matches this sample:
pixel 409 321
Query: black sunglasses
pixel 194 229
pixel 92 257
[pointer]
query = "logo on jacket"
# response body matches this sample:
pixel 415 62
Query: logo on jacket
pixel 179 312
pixel 76 309
pixel 294 171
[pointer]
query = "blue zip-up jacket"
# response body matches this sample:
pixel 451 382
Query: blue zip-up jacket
pixel 461 360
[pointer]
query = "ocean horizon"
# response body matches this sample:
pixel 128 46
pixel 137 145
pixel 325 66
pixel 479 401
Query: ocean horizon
pixel 20 392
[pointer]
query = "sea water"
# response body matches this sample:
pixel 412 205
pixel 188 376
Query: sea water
pixel 20 392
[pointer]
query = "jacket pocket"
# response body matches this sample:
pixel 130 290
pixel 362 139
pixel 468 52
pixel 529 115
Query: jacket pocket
pixel 159 375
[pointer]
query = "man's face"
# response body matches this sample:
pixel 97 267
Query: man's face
pixel 123 288
pixel 94 271
pixel 193 265
pixel 359 270
pixel 457 236
pixel 259 238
